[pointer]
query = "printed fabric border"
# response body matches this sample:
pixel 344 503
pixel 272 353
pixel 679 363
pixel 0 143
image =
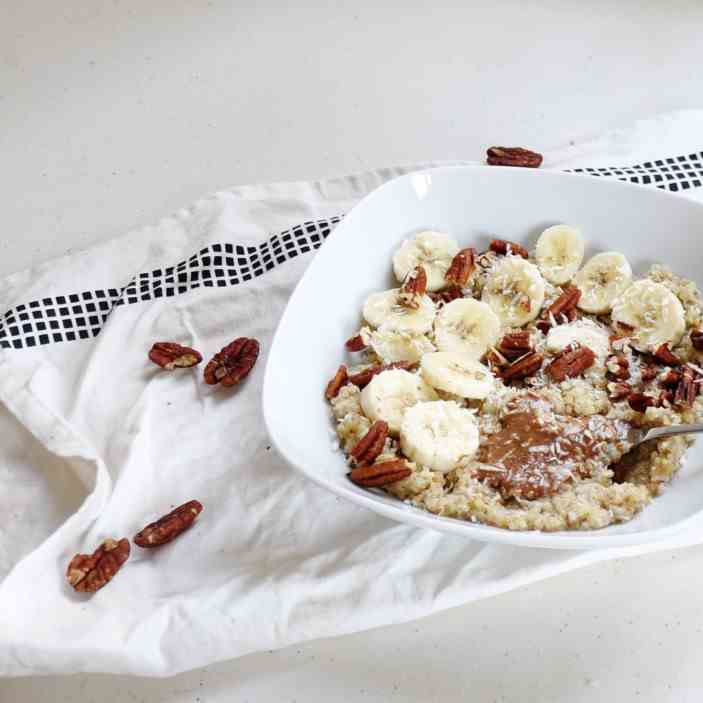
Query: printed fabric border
pixel 73 316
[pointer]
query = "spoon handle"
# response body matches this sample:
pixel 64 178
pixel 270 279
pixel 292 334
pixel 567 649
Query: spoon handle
pixel 672 430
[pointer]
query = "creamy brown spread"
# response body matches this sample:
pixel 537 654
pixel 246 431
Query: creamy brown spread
pixel 537 451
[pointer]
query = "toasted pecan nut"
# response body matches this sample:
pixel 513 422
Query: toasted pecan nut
pixel 513 156
pixel 515 344
pixel 565 302
pixel 495 358
pixel 523 368
pixel 371 444
pixel 363 378
pixel 572 314
pixel 648 373
pixel 618 367
pixel 169 356
pixel 413 288
pixel 571 363
pixel 233 363
pixel 640 401
pixel 168 527
pixel 665 356
pixel 502 246
pixel 380 474
pixel 89 572
pixel 451 292
pixel 355 343
pixel 687 389
pixel 665 399
pixel 461 268
pixel 619 391
pixel 670 379
pixel 697 339
pixel 543 326
pixel 336 382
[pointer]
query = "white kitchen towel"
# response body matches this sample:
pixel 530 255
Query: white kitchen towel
pixel 96 442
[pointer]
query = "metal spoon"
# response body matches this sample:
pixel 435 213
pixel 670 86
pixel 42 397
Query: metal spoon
pixel 637 436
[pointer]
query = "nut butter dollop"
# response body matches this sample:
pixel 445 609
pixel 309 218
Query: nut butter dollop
pixel 537 450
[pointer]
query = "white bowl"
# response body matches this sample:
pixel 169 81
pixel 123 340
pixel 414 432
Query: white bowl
pixel 473 204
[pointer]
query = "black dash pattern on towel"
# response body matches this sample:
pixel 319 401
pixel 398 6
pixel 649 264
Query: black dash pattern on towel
pixel 66 318
pixel 73 316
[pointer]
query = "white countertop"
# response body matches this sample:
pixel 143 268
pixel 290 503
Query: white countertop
pixel 113 114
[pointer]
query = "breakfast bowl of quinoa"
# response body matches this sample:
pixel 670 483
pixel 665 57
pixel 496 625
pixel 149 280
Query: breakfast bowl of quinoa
pixel 481 346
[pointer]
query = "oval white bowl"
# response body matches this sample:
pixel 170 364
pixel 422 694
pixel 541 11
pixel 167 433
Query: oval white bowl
pixel 473 204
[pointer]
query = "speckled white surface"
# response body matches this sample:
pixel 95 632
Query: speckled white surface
pixel 113 114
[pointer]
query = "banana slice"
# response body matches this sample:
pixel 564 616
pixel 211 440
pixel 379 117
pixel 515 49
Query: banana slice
pixel 384 309
pixel 433 251
pixel 392 346
pixel 514 290
pixel 582 332
pixel 390 393
pixel 559 253
pixel 466 325
pixel 651 314
pixel 457 373
pixel 439 435
pixel 601 280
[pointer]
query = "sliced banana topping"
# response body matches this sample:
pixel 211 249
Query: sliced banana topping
pixel 440 435
pixel 390 393
pixel 514 290
pixel 650 314
pixel 433 251
pixel 466 325
pixel 601 280
pixel 391 345
pixel 559 253
pixel 458 373
pixel 583 333
pixel 384 309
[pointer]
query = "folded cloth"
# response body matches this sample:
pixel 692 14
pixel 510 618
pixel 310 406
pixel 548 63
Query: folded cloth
pixel 97 441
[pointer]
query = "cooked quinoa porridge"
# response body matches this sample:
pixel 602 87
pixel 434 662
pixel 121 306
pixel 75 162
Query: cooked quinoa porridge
pixel 500 387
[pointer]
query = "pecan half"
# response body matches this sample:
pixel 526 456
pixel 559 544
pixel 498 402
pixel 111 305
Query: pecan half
pixel 371 444
pixel 355 343
pixel 513 156
pixel 380 474
pixel 515 345
pixel 169 526
pixel 686 390
pixel 619 391
pixel 413 288
pixel 233 363
pixel 448 294
pixel 364 377
pixel 666 397
pixel 502 246
pixel 565 302
pixel 697 339
pixel 648 373
pixel 336 382
pixel 670 379
pixel 665 356
pixel 522 368
pixel 571 363
pixel 543 326
pixel 461 268
pixel 618 367
pixel 89 572
pixel 169 355
pixel 640 402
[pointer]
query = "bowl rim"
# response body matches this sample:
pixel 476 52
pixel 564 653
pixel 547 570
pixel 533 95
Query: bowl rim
pixel 390 507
